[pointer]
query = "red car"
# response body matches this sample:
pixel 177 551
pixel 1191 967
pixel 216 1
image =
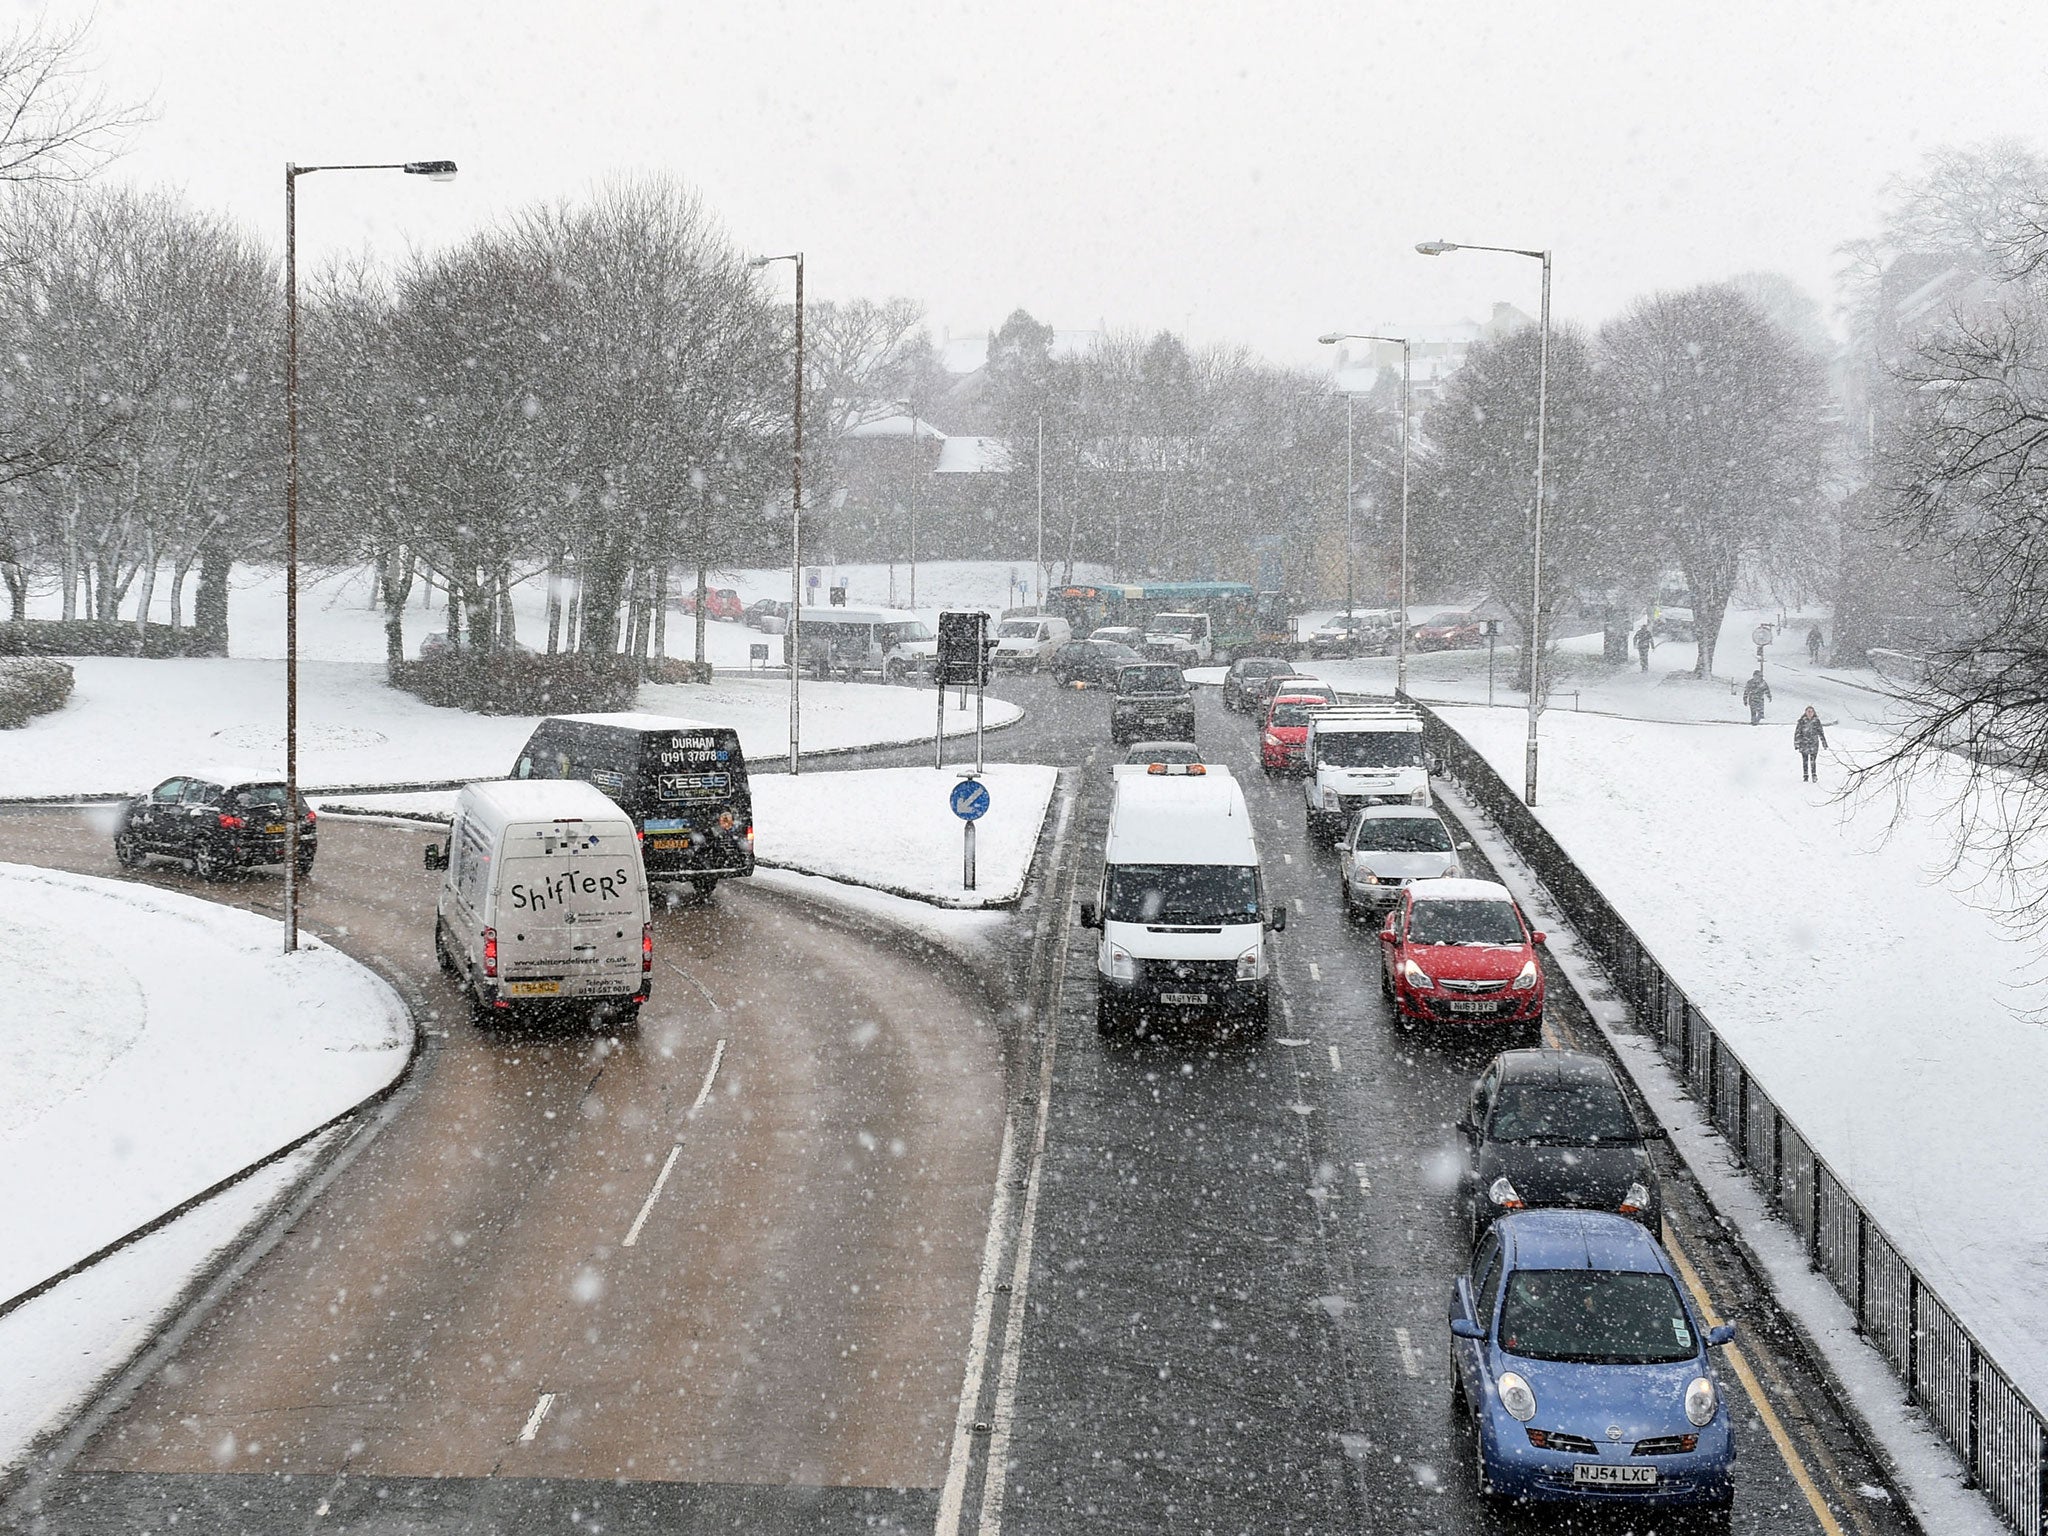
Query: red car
pixel 1448 632
pixel 1285 731
pixel 1459 952
pixel 719 603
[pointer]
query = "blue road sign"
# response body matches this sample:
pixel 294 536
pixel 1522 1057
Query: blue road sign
pixel 970 799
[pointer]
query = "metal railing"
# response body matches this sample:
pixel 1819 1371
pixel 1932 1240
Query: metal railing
pixel 1992 1426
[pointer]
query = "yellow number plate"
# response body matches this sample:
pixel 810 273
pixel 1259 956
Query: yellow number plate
pixel 668 844
pixel 275 830
pixel 533 988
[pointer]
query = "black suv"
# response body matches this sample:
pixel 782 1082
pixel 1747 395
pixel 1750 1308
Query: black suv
pixel 1241 682
pixel 1153 702
pixel 1090 661
pixel 216 823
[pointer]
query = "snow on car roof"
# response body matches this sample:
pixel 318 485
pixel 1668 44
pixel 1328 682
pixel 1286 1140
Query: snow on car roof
pixel 1460 890
pixel 633 720
pixel 1562 1239
pixel 1399 813
pixel 512 800
pixel 228 775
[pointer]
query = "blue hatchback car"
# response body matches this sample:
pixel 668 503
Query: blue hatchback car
pixel 1584 1367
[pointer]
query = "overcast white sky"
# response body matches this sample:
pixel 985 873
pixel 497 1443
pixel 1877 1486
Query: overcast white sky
pixel 1249 172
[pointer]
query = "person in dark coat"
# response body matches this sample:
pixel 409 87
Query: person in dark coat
pixel 1809 737
pixel 1756 693
pixel 1644 640
pixel 1813 644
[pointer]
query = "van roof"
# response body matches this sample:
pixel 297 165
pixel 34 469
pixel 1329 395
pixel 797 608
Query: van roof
pixel 633 720
pixel 859 616
pixel 1362 722
pixel 1178 819
pixel 502 802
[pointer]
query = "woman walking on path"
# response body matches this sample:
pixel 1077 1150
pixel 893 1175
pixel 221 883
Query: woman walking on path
pixel 1809 738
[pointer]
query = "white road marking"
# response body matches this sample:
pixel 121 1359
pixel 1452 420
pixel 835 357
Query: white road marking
pixel 1315 972
pixel 1411 1362
pixel 1287 1041
pixel 709 1078
pixel 693 981
pixel 955 1488
pixel 654 1194
pixel 1364 1181
pixel 540 1411
pixel 1288 857
pixel 1336 1061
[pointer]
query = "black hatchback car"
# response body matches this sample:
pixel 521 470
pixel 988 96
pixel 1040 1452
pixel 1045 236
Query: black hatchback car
pixel 1553 1128
pixel 1241 682
pixel 1089 661
pixel 217 823
pixel 1153 702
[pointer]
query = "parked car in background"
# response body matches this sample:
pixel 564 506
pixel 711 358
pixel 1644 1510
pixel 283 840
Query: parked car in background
pixel 1448 632
pixel 1284 732
pixel 1153 701
pixel 1356 634
pixel 1181 752
pixel 719 603
pixel 1119 634
pixel 1553 1128
pixel 217 820
pixel 1090 661
pixel 1459 952
pixel 768 615
pixel 1241 682
pixel 1388 847
pixel 1184 639
pixel 1582 1364
pixel 1026 645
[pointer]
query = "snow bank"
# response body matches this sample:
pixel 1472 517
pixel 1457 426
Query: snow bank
pixel 167 1043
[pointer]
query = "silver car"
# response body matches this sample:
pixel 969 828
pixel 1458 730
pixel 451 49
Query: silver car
pixel 1387 847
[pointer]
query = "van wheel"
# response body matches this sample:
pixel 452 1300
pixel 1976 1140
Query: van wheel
pixel 441 956
pixel 481 1014
pixel 625 1017
pixel 705 884
pixel 127 852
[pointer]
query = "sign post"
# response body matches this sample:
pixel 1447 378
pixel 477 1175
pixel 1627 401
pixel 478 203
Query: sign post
pixel 1763 635
pixel 970 803
pixel 963 659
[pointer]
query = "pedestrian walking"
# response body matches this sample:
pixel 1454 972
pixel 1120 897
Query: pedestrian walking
pixel 1644 640
pixel 1756 693
pixel 1813 644
pixel 1809 737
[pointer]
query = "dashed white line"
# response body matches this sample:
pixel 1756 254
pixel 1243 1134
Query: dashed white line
pixel 1411 1362
pixel 1315 972
pixel 1336 1061
pixel 709 1078
pixel 1287 1040
pixel 654 1194
pixel 1364 1180
pixel 540 1411
pixel 1288 857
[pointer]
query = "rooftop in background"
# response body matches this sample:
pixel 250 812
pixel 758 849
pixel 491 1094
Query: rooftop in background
pixel 1436 352
pixel 968 353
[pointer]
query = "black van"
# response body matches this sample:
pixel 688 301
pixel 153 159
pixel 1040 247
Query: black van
pixel 683 782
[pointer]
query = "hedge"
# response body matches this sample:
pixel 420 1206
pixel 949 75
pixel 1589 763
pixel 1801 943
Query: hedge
pixel 31 687
pixel 100 637
pixel 519 682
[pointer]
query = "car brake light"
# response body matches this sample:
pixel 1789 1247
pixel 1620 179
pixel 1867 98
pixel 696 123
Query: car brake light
pixel 232 823
pixel 646 949
pixel 490 951
pixel 309 814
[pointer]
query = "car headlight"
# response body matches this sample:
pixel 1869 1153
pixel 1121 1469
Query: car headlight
pixel 1363 876
pixel 1526 978
pixel 1329 799
pixel 1272 740
pixel 1121 966
pixel 1453 870
pixel 1248 964
pixel 1414 975
pixel 1700 1401
pixel 1519 1398
pixel 1419 796
pixel 1637 1199
pixel 1502 1193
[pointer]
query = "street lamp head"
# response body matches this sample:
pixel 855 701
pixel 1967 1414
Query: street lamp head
pixel 433 170
pixel 1435 247
pixel 1331 338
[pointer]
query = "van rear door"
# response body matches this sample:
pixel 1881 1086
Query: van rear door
pixel 697 810
pixel 570 911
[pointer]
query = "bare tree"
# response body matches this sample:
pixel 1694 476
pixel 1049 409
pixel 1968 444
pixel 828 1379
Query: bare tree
pixel 54 126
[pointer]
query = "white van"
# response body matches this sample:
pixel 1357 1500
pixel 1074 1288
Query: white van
pixel 890 643
pixel 1359 755
pixel 544 900
pixel 1186 639
pixel 1028 643
pixel 1182 908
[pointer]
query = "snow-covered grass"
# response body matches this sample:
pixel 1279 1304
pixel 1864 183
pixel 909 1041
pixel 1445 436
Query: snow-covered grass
pixel 166 1043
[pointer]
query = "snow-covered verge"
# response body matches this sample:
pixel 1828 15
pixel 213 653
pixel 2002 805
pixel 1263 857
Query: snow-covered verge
pixel 889 829
pixel 1927 1471
pixel 157 1044
pixel 130 723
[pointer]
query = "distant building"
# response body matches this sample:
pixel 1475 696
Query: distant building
pixel 1436 352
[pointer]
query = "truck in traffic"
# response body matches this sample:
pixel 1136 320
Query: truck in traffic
pixel 1360 755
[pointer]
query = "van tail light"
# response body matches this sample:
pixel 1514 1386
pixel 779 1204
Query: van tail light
pixel 232 823
pixel 647 949
pixel 490 951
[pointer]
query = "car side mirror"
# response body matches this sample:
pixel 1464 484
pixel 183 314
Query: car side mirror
pixel 1723 1334
pixel 1089 917
pixel 1279 919
pixel 1655 1133
pixel 1465 1125
pixel 1539 937
pixel 1389 932
pixel 1467 1328
pixel 437 856
pixel 1436 766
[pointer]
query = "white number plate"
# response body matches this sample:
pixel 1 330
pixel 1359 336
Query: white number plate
pixel 533 988
pixel 1184 997
pixel 1460 1005
pixel 1607 1474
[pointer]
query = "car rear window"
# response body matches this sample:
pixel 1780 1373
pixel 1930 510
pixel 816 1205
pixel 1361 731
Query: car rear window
pixel 1160 679
pixel 1292 714
pixel 260 794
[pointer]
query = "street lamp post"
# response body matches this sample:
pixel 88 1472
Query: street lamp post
pixel 1442 247
pixel 1038 572
pixel 914 465
pixel 1407 410
pixel 792 632
pixel 433 170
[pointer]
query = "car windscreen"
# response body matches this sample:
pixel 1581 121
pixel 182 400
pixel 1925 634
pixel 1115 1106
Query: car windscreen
pixel 1189 895
pixel 898 634
pixel 1268 667
pixel 1560 1114
pixel 1172 625
pixel 1149 680
pixel 1595 1317
pixel 1450 920
pixel 1371 749
pixel 1018 629
pixel 1110 651
pixel 1401 834
pixel 1292 714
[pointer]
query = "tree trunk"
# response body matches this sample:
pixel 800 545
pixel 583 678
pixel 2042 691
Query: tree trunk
pixel 148 593
pixel 703 575
pixel 210 602
pixel 661 609
pixel 454 625
pixel 397 584
pixel 602 589
pixel 554 602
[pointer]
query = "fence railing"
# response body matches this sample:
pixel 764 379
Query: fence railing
pixel 1993 1427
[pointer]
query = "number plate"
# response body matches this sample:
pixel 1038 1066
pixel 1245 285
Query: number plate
pixel 668 844
pixel 1606 1474
pixel 533 989
pixel 276 830
pixel 1183 997
pixel 1462 1005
